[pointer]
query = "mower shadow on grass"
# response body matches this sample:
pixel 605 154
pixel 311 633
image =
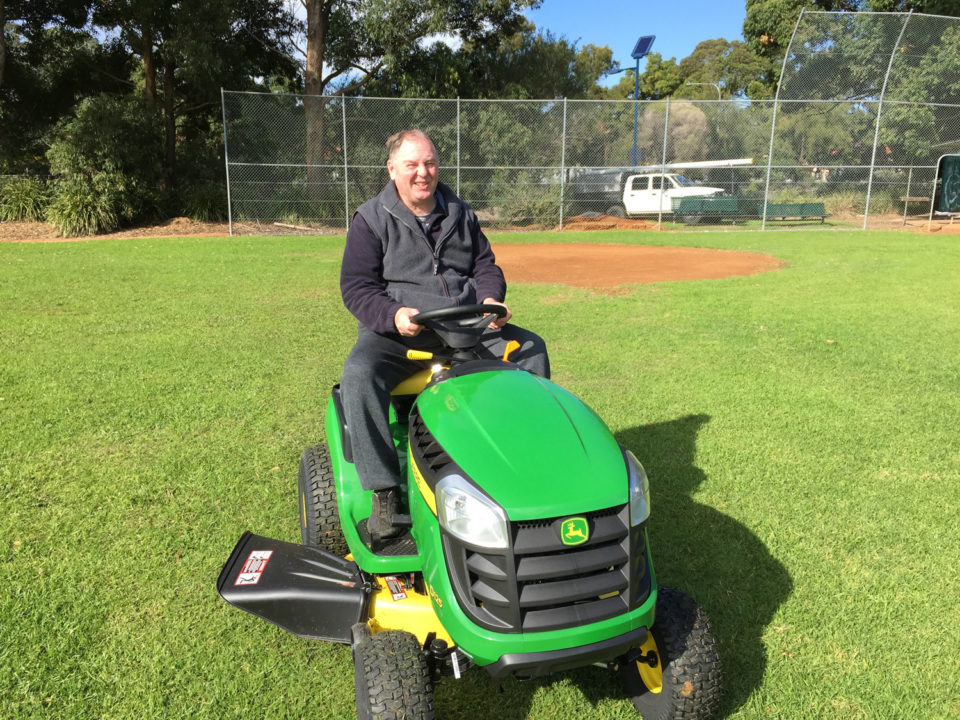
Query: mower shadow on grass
pixel 719 561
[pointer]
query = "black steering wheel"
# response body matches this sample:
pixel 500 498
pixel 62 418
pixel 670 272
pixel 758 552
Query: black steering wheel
pixel 460 327
pixel 469 316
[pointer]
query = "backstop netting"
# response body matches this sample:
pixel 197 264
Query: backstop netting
pixel 867 105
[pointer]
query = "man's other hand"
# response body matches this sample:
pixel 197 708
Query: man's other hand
pixel 402 320
pixel 498 322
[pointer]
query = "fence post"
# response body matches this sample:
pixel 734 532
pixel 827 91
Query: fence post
pixel 773 122
pixel 876 129
pixel 226 157
pixel 346 168
pixel 563 159
pixel 663 162
pixel 458 146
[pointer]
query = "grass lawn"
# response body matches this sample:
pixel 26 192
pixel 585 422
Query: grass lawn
pixel 800 429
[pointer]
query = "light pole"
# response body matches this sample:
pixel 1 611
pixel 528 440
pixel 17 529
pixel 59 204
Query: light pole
pixel 716 85
pixel 640 51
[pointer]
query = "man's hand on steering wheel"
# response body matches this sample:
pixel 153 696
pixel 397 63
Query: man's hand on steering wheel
pixel 405 326
pixel 498 322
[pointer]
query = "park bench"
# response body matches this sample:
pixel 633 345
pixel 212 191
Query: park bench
pixel 796 211
pixel 693 209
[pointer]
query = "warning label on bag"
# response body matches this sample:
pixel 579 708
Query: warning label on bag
pixel 253 568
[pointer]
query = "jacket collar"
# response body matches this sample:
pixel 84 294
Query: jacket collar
pixel 449 207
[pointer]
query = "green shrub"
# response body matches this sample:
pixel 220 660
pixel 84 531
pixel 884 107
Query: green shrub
pixel 845 202
pixel 522 200
pixel 854 202
pixel 24 199
pixel 81 207
pixel 111 148
pixel 204 202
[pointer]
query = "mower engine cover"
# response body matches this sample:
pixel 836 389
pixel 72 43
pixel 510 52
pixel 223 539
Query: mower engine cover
pixel 528 443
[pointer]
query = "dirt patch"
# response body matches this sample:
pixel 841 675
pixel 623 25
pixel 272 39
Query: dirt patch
pixel 174 227
pixel 608 265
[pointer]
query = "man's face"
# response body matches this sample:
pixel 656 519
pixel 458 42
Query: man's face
pixel 414 168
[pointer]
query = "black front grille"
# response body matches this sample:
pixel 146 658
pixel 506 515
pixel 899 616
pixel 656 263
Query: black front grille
pixel 541 584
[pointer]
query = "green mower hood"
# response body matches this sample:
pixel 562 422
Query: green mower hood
pixel 537 450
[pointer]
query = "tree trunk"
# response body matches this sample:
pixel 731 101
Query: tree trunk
pixel 318 18
pixel 149 68
pixel 3 42
pixel 170 123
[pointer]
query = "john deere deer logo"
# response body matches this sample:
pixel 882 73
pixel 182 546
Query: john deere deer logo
pixel 574 531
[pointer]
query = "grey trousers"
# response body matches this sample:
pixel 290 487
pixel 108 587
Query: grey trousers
pixel 377 364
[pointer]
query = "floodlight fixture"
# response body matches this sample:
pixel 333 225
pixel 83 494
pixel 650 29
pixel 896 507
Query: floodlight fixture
pixel 643 46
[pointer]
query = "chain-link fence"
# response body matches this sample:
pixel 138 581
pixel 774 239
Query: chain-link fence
pixel 868 104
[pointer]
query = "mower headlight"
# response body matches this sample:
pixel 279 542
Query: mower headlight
pixel 468 514
pixel 639 490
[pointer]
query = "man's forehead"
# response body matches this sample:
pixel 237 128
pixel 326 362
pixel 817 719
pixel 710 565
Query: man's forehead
pixel 416 147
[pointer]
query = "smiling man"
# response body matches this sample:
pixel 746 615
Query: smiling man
pixel 414 247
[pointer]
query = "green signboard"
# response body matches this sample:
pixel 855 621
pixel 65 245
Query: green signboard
pixel 949 200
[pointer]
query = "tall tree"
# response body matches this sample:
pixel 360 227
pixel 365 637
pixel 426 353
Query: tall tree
pixel 659 80
pixel 525 65
pixel 189 48
pixel 27 18
pixel 51 62
pixel 349 42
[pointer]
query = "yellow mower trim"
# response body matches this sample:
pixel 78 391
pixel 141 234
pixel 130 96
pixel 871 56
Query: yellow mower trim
pixel 413 614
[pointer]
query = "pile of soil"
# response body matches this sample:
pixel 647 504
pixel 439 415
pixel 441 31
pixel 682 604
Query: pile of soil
pixel 606 222
pixel 174 227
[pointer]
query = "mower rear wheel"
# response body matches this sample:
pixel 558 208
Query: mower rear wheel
pixel 319 519
pixel 687 664
pixel 392 678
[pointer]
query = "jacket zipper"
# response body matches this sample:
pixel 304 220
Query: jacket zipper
pixel 435 251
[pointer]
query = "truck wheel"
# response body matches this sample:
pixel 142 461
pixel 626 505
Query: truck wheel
pixel 319 519
pixel 678 675
pixel 391 677
pixel 617 211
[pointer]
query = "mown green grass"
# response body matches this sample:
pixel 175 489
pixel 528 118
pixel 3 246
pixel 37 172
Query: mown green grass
pixel 800 429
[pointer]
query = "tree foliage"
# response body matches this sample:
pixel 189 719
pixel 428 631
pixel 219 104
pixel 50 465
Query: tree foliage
pixel 350 42
pixel 524 65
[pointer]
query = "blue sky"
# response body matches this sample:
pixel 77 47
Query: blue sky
pixel 678 24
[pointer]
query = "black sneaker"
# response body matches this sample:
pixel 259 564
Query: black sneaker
pixel 384 509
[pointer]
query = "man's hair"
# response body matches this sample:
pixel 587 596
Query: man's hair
pixel 396 140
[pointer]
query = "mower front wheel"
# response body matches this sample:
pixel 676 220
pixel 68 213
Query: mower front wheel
pixel 678 674
pixel 319 518
pixel 391 677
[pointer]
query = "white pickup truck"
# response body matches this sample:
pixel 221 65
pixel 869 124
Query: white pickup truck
pixel 622 194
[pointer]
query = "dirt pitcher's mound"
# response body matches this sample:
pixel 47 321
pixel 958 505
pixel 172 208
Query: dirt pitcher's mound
pixel 608 265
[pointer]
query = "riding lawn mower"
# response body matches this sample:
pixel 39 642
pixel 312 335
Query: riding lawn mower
pixel 524 553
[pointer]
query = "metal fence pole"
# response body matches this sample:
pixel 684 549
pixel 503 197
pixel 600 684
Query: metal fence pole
pixel 563 158
pixel 346 167
pixel 458 146
pixel 226 157
pixel 773 122
pixel 663 162
pixel 876 129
